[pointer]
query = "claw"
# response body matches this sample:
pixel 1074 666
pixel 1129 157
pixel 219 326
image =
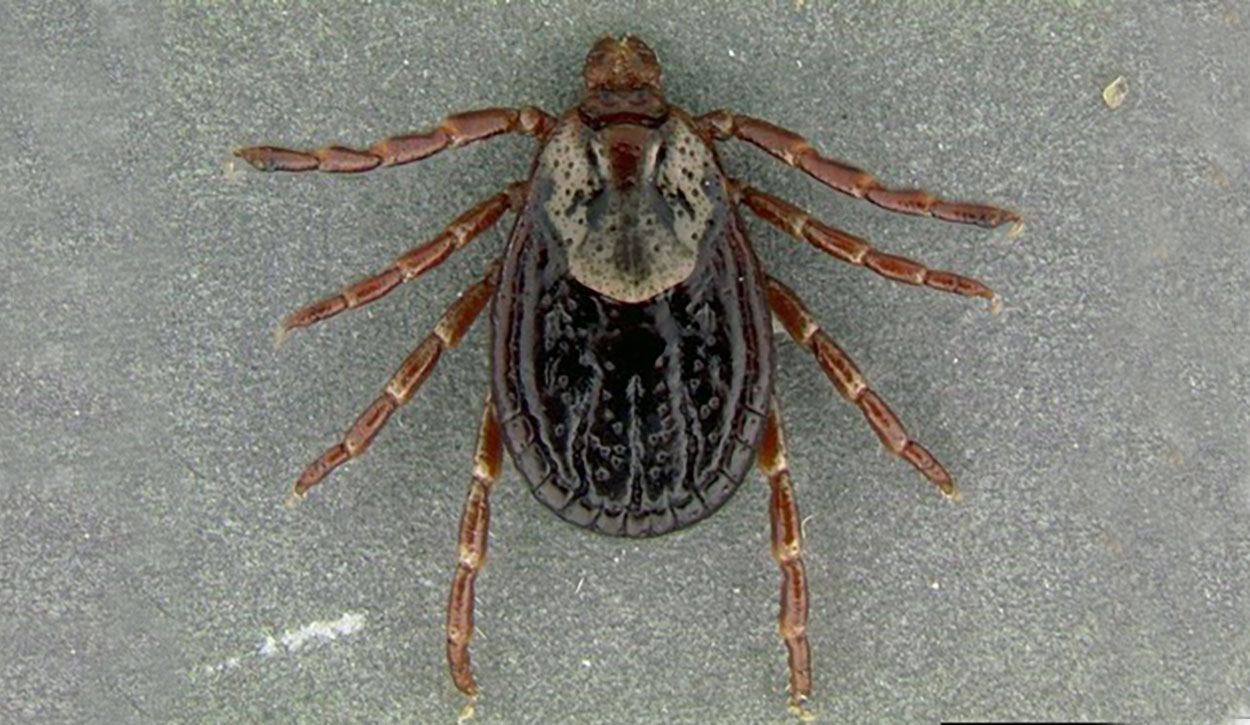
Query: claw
pixel 254 156
pixel 798 708
pixel 280 335
pixel 294 499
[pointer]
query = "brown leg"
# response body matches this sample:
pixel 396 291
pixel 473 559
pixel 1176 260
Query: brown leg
pixel 787 548
pixel 797 152
pixel 456 130
pixel 413 263
pixel 474 522
pixel 841 370
pixel 800 225
pixel 453 325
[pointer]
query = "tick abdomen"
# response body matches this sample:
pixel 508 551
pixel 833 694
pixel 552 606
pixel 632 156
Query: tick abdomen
pixel 632 419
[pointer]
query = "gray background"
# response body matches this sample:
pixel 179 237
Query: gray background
pixel 1096 568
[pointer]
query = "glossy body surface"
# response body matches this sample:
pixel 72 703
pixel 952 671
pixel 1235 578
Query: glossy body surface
pixel 632 353
pixel 632 342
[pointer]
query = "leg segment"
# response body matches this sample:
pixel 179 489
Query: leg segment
pixel 800 225
pixel 474 522
pixel 787 550
pixel 797 152
pixel 841 370
pixel 413 263
pixel 453 325
pixel 456 130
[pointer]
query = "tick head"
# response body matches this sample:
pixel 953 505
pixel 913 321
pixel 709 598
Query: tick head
pixel 621 65
pixel 622 84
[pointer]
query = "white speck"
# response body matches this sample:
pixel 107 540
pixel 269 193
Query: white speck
pixel 731 53
pixel 580 582
pixel 585 663
pixel 320 631
pixel 935 585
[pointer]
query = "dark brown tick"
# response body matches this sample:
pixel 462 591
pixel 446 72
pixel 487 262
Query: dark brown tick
pixel 631 322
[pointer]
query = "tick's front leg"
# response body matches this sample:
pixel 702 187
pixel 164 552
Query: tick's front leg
pixel 456 130
pixel 797 152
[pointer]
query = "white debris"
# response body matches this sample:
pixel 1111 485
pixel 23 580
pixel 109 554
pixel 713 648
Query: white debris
pixel 318 632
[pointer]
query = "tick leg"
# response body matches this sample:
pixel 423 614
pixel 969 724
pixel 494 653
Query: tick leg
pixel 799 224
pixel 841 370
pixel 797 152
pixel 787 548
pixel 474 523
pixel 456 130
pixel 447 334
pixel 413 263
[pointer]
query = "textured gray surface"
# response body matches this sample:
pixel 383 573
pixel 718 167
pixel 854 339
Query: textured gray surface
pixel 1096 568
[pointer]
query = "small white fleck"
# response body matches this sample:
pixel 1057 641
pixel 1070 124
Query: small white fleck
pixel 320 631
pixel 731 53
pixel 585 663
pixel 935 585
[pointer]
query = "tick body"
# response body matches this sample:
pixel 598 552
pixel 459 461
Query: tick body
pixel 632 341
pixel 631 351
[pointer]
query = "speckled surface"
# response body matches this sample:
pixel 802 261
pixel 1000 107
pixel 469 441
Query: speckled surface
pixel 1096 568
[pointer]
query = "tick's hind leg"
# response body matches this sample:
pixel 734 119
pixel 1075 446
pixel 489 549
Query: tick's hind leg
pixel 456 130
pixel 797 152
pixel 413 263
pixel 416 368
pixel 787 548
pixel 471 554
pixel 789 309
pixel 848 248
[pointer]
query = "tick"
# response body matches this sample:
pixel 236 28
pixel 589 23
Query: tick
pixel 631 321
